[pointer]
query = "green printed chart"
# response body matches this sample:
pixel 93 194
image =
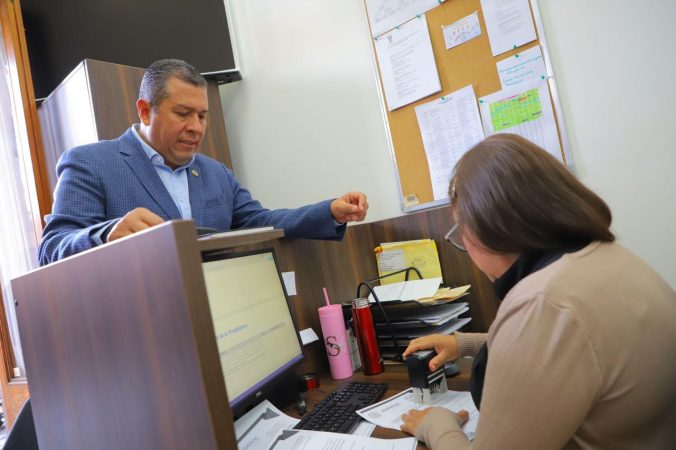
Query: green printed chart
pixel 516 110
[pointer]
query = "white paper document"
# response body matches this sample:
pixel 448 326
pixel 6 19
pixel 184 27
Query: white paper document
pixel 462 31
pixel 317 440
pixel 509 24
pixel 308 335
pixel 525 66
pixel 387 413
pixel 364 428
pixel 387 14
pixel 391 260
pixel 407 65
pixel 449 126
pixel 406 290
pixel 259 427
pixel 289 282
pixel 526 111
pixel 266 427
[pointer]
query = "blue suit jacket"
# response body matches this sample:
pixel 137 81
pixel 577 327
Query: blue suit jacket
pixel 99 183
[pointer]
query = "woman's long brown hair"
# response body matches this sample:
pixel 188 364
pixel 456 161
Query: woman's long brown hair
pixel 516 197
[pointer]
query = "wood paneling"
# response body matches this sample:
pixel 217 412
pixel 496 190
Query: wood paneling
pixel 120 350
pixel 97 101
pixel 113 91
pixel 341 266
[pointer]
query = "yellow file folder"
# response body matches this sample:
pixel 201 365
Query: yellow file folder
pixel 421 254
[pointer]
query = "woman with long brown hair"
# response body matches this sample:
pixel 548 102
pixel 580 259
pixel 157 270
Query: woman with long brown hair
pixel 581 352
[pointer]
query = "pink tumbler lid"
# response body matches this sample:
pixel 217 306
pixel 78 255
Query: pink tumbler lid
pixel 330 311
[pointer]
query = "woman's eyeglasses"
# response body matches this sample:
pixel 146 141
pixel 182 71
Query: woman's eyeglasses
pixel 454 237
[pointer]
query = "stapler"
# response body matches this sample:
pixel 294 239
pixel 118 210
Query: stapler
pixel 424 382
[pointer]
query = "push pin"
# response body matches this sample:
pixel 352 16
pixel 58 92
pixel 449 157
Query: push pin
pixel 424 382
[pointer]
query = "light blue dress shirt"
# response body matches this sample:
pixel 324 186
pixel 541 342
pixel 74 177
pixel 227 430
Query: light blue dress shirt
pixel 176 180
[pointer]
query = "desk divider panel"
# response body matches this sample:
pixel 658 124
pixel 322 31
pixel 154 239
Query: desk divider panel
pixel 120 350
pixel 340 266
pixel 119 342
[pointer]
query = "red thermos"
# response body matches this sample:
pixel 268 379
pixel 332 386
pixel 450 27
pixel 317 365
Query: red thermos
pixel 371 361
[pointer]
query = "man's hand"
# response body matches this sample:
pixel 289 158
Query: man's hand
pixel 135 220
pixel 351 207
pixel 413 418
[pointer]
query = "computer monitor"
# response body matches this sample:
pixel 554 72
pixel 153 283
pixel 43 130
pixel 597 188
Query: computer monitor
pixel 257 339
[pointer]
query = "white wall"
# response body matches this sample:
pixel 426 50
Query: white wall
pixel 306 123
pixel 616 72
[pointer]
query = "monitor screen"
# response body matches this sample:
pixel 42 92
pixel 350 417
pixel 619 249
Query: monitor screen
pixel 256 336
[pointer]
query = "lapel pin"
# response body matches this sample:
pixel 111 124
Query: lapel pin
pixel 195 173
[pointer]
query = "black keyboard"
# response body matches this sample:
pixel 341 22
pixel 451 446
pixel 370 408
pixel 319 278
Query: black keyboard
pixel 336 413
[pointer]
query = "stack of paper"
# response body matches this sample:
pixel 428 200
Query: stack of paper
pixel 407 290
pixel 426 317
pixel 387 413
pixel 414 309
pixel 266 428
pixel 445 294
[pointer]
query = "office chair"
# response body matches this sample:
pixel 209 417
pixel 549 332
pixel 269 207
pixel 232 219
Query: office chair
pixel 22 436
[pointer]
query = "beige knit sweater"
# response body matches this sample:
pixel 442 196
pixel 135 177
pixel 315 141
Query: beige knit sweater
pixel 581 355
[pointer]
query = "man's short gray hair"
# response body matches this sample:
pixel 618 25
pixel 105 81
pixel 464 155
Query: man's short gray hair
pixel 157 75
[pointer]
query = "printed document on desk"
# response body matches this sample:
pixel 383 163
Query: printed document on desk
pixel 387 413
pixel 257 428
pixel 407 290
pixel 311 440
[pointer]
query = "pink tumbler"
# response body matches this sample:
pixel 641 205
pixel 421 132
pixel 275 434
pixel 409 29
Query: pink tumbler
pixel 335 340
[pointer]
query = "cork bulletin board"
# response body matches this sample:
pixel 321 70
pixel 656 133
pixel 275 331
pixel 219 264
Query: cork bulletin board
pixel 471 63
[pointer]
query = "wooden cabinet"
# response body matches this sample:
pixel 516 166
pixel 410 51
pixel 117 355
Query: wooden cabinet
pixel 97 101
pixel 124 355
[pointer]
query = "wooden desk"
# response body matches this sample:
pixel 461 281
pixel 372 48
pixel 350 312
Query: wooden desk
pixel 397 378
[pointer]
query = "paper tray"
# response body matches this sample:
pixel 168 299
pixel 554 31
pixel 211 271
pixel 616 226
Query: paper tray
pixel 425 318
pixel 404 336
pixel 402 310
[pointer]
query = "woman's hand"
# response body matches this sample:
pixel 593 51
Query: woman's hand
pixel 444 345
pixel 413 418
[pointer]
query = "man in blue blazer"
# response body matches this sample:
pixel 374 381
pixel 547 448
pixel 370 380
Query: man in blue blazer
pixel 153 173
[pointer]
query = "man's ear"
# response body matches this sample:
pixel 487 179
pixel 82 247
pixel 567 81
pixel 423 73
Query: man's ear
pixel 143 108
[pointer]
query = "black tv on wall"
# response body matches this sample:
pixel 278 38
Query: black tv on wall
pixel 61 33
